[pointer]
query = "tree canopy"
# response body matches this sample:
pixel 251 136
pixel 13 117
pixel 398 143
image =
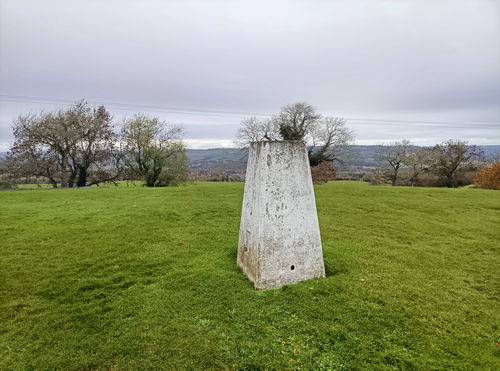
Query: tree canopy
pixel 326 137
pixel 72 146
pixel 79 146
pixel 153 150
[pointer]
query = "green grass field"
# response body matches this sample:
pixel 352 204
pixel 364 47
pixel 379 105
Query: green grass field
pixel 138 278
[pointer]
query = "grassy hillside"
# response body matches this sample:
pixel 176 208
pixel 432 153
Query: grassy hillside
pixel 136 278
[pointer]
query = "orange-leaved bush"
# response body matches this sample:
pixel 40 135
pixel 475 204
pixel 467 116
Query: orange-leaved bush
pixel 489 177
pixel 322 173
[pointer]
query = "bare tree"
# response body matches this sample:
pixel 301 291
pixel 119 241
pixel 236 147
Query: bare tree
pixel 394 156
pixel 328 140
pixel 43 143
pixel 255 130
pixel 418 163
pixel 326 137
pixel 295 121
pixel 25 160
pixel 150 146
pixel 64 145
pixel 453 158
pixel 94 145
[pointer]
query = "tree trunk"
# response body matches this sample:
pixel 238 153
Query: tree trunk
pixel 72 177
pixel 82 177
pixel 450 183
pixel 64 173
pixel 394 179
pixel 150 181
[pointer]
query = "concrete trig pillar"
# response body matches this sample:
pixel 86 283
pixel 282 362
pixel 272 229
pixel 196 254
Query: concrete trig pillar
pixel 279 242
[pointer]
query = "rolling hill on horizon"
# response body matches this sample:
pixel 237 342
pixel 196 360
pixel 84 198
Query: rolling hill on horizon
pixel 359 157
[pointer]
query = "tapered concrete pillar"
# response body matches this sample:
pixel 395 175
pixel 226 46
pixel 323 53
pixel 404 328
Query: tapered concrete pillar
pixel 279 242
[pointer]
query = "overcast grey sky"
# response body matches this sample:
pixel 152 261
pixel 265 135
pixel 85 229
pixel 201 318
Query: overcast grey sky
pixel 208 64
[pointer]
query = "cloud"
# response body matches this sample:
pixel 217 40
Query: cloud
pixel 208 143
pixel 416 60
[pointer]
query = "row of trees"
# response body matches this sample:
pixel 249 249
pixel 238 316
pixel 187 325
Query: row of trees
pixel 451 164
pixel 80 146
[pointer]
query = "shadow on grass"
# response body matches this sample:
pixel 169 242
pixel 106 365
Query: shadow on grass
pixel 331 271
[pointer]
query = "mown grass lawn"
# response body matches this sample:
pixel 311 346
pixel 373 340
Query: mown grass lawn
pixel 137 278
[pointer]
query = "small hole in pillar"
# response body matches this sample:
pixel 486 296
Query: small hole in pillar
pixel 292 267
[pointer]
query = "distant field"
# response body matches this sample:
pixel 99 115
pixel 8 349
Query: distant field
pixel 141 278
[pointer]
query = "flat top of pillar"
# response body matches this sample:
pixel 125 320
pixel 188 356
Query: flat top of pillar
pixel 277 142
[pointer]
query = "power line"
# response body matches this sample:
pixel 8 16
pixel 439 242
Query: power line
pixel 240 114
pixel 133 107
pixel 483 125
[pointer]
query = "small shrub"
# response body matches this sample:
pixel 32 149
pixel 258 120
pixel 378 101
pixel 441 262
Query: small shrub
pixel 375 176
pixel 488 177
pixel 322 173
pixel 430 180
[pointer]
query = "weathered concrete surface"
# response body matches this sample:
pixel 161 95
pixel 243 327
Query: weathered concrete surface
pixel 279 242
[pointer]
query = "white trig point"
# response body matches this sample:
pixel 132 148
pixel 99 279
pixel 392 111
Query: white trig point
pixel 280 242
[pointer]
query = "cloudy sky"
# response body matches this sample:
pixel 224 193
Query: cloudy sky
pixel 422 70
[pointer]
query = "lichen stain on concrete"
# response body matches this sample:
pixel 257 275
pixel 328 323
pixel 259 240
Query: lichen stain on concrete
pixel 279 225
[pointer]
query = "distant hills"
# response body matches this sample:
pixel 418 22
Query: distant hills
pixel 490 151
pixel 216 158
pixel 234 160
pixel 358 157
